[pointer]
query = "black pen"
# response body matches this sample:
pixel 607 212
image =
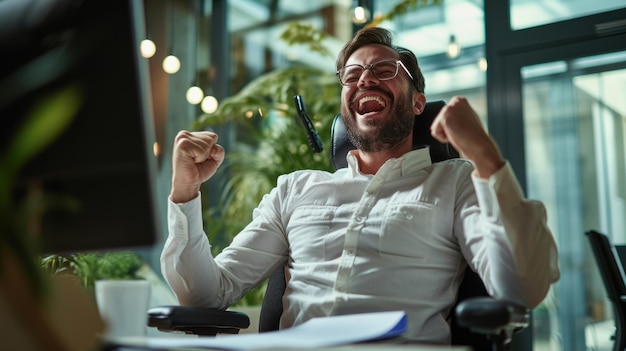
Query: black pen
pixel 311 133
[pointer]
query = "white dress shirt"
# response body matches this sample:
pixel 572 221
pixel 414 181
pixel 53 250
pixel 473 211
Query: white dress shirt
pixel 397 240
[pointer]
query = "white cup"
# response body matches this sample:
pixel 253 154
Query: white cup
pixel 123 305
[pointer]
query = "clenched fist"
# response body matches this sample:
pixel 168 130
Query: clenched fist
pixel 195 159
pixel 458 124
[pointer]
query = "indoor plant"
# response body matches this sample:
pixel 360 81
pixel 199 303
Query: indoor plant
pixel 115 282
pixel 93 266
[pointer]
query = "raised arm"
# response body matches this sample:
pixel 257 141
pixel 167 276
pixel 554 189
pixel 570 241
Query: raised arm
pixel 186 260
pixel 196 158
pixel 512 248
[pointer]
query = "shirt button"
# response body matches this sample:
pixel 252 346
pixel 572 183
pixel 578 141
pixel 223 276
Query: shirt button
pixel 359 219
pixel 409 216
pixel 350 252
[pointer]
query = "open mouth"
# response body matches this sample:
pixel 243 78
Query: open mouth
pixel 370 103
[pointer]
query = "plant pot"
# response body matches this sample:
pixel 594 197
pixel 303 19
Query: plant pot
pixel 123 305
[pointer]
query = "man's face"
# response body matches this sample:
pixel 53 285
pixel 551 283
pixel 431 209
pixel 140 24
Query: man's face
pixel 378 114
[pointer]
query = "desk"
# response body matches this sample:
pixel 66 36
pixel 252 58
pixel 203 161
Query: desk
pixel 386 347
pixel 355 347
pixel 147 343
pixel 363 331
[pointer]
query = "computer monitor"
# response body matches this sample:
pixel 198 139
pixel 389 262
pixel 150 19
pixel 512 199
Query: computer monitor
pixel 96 182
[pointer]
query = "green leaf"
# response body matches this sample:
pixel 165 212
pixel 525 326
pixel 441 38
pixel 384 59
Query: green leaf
pixel 47 120
pixel 93 266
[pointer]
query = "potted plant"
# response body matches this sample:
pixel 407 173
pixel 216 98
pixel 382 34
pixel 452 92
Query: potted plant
pixel 93 266
pixel 116 283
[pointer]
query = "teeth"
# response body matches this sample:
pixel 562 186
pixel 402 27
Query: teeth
pixel 370 98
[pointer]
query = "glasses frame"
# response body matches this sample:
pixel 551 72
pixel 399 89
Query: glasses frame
pixel 369 67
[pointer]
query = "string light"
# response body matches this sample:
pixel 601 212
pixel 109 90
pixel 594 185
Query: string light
pixel 360 13
pixel 171 64
pixel 209 104
pixel 194 95
pixel 482 64
pixel 454 50
pixel 156 149
pixel 147 48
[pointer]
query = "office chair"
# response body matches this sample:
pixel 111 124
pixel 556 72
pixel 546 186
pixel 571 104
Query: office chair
pixel 477 320
pixel 612 272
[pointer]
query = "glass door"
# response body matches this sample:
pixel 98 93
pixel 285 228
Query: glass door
pixel 574 114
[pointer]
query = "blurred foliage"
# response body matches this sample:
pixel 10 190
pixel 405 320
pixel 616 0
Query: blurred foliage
pixel 45 121
pixel 401 8
pixel 302 33
pixel 90 267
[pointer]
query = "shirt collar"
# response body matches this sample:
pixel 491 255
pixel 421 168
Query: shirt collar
pixel 409 163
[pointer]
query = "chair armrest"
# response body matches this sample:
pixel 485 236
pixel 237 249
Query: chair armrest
pixel 487 315
pixel 197 320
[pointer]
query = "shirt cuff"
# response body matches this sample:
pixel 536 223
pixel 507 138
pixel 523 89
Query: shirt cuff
pixel 500 191
pixel 185 219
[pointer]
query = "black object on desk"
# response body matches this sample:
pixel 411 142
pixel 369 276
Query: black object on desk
pixel 194 320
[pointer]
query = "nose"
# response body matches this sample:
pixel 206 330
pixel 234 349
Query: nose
pixel 367 78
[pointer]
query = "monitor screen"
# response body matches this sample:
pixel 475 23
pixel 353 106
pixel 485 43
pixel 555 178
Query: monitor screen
pixel 92 187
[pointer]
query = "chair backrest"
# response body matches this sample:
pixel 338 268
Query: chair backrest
pixel 609 264
pixel 614 279
pixel 272 306
pixel 472 285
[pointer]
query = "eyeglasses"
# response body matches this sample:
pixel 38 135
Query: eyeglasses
pixel 381 70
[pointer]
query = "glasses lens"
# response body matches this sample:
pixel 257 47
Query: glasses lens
pixel 351 74
pixel 384 70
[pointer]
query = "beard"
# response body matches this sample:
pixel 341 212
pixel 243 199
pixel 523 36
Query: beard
pixel 387 134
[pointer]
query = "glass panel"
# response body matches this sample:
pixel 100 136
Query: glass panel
pixel 574 115
pixel 430 29
pixel 532 13
pixel 467 80
pixel 256 27
pixel 430 32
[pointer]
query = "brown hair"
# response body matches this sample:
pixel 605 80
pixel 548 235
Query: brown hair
pixel 376 35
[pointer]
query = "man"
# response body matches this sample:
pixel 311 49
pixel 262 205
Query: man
pixel 390 232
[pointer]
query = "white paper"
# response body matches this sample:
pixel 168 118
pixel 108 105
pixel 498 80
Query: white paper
pixel 317 332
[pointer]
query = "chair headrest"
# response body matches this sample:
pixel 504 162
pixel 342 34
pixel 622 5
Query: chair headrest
pixel 340 144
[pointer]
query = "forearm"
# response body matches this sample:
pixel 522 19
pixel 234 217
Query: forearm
pixel 486 158
pixel 519 255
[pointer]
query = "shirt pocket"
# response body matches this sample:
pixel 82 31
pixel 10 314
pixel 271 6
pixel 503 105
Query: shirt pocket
pixel 308 229
pixel 407 231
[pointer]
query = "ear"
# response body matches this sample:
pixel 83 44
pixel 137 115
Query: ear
pixel 419 102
